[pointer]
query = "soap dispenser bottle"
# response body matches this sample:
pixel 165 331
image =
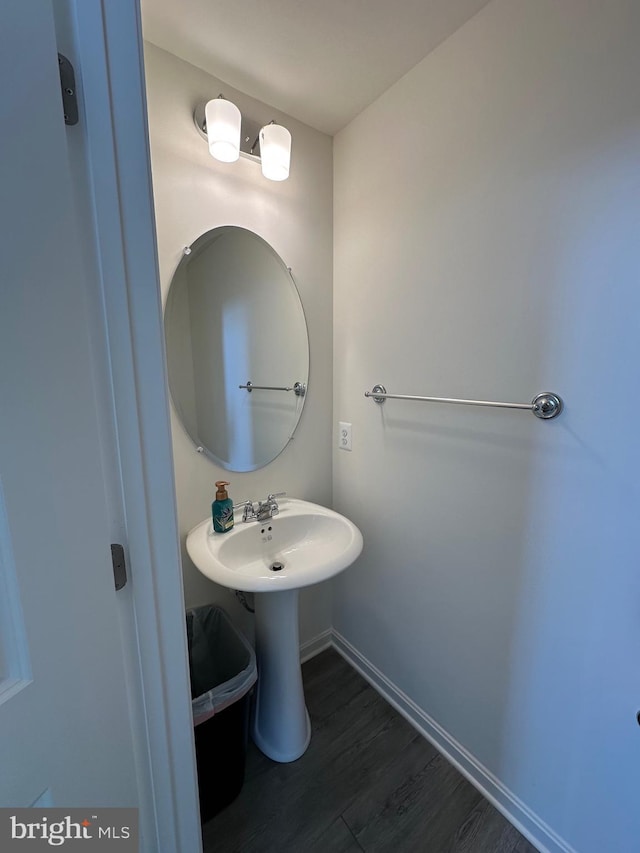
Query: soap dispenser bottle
pixel 222 509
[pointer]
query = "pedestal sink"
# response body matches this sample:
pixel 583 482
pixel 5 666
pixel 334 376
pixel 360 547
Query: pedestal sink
pixel 303 544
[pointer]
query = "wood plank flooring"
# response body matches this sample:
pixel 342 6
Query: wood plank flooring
pixel 367 784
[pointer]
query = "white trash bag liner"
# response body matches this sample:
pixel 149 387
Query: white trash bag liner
pixel 222 663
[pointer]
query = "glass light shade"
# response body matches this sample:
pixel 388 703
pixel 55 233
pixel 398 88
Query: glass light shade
pixel 275 152
pixel 223 130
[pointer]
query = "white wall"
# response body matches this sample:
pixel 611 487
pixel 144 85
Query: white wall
pixel 486 245
pixel 194 193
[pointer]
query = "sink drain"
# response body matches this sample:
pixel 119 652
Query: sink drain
pixel 277 567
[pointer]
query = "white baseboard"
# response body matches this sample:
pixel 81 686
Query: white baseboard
pixel 516 812
pixel 315 645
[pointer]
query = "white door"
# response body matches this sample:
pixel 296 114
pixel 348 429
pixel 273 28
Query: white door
pixel 65 732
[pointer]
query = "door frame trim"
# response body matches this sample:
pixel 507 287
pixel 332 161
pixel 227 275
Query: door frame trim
pixel 110 56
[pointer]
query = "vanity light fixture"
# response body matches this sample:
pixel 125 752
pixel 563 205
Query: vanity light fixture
pixel 231 135
pixel 223 120
pixel 275 150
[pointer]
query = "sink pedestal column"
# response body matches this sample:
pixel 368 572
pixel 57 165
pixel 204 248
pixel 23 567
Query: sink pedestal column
pixel 280 726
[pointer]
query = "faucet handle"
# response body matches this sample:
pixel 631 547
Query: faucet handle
pixel 248 512
pixel 243 504
pixel 272 503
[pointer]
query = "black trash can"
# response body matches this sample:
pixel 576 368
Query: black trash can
pixel 223 670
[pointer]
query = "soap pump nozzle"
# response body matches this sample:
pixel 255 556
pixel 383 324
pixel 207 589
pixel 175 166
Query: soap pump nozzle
pixel 221 493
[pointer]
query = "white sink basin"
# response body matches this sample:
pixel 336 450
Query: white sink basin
pixel 310 542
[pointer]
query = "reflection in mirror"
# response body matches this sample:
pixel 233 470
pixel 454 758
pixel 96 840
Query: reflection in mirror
pixel 233 319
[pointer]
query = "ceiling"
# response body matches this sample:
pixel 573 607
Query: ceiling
pixel 321 62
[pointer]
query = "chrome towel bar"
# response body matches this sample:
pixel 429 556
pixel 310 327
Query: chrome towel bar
pixel 546 405
pixel 298 388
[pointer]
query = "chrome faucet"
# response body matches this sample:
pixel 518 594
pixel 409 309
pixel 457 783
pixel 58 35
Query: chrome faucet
pixel 264 510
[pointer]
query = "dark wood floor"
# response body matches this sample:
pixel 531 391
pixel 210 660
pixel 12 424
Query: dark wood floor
pixel 368 782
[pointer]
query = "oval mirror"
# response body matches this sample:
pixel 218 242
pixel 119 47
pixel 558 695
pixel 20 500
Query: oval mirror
pixel 237 348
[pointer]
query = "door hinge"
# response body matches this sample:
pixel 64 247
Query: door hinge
pixel 119 566
pixel 68 86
